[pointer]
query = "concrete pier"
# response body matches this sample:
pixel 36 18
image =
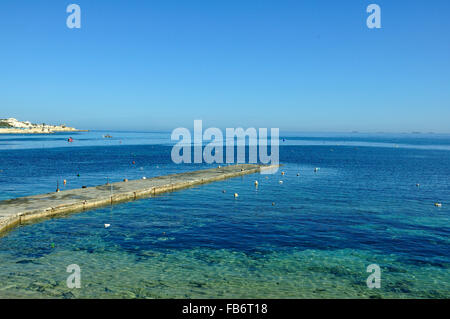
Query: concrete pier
pixel 15 211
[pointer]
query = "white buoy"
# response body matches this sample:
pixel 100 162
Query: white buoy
pixel 256 183
pixel 107 225
pixel 236 195
pixel 281 182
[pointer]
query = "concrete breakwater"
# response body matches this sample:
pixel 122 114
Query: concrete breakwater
pixel 15 211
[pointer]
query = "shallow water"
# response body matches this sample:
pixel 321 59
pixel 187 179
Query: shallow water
pixel 310 237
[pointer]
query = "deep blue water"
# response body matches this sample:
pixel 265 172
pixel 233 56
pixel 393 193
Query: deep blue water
pixel 311 236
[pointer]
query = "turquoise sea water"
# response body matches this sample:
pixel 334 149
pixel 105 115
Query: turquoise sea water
pixel 312 236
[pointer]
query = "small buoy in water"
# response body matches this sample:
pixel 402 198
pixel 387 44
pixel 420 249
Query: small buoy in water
pixel 417 185
pixel 282 173
pixel 281 182
pixel 65 182
pixel 256 183
pixel 144 177
pixel 438 204
pixel 125 179
pixel 107 225
pixel 236 195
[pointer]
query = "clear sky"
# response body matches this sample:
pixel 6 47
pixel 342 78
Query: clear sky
pixel 298 65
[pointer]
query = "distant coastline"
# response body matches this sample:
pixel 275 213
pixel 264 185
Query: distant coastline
pixel 13 126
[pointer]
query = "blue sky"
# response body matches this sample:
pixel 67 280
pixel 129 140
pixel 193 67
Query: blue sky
pixel 297 65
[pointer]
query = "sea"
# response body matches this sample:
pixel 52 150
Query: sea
pixel 307 233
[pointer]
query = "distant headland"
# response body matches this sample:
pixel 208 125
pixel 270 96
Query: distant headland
pixel 13 126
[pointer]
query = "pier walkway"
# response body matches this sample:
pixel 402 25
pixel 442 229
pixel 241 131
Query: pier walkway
pixel 15 211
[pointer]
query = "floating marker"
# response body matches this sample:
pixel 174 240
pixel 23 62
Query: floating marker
pixel 281 182
pixel 282 173
pixel 256 183
pixel 236 195
pixel 107 225
pixel 65 182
